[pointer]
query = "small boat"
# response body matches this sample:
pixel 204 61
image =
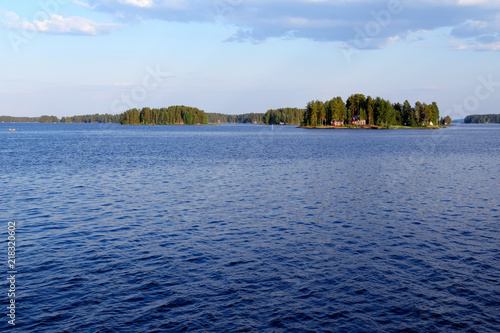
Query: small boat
pixel 12 129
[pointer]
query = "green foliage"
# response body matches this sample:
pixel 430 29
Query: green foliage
pixel 445 121
pixel 287 116
pixel 48 119
pixel 315 113
pixel 10 119
pixel 92 118
pixel 247 118
pixel 173 115
pixel 375 111
pixel 483 119
pixel 355 103
pixel 408 115
pixel 338 109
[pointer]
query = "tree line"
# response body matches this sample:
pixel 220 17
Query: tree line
pixel 287 116
pixel 375 111
pixel 247 118
pixel 284 116
pixel 173 115
pixel 483 119
pixel 42 119
pixel 10 119
pixel 94 118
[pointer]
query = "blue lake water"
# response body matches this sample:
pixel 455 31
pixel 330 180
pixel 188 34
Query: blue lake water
pixel 248 228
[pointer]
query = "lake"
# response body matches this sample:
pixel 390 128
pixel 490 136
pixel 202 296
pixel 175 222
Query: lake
pixel 249 228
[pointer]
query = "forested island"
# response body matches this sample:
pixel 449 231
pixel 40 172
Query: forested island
pixel 483 119
pixel 359 110
pixel 173 115
pixel 445 121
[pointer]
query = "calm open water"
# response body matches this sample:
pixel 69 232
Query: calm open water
pixel 247 228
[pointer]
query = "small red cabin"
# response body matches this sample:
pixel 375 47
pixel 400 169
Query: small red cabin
pixel 337 122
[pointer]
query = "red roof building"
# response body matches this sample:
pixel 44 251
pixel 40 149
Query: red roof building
pixel 358 122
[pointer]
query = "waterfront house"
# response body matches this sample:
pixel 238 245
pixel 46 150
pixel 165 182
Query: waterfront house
pixel 357 121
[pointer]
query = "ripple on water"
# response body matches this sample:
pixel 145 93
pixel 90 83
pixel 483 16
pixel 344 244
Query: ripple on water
pixel 253 231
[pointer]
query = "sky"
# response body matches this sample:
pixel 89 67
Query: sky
pixel 74 57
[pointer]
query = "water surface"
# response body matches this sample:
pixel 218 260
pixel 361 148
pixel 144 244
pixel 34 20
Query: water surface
pixel 253 229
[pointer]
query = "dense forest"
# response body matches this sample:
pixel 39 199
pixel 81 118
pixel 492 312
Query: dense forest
pixel 247 118
pixel 445 121
pixel 92 119
pixel 173 115
pixel 375 111
pixel 284 116
pixel 483 119
pixel 288 116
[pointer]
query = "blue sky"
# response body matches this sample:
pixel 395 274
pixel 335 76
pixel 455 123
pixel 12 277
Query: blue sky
pixel 68 57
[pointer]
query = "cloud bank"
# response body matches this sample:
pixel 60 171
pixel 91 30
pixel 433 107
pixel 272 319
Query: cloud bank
pixel 57 24
pixel 474 24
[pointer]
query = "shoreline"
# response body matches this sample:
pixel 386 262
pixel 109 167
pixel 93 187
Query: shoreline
pixel 371 127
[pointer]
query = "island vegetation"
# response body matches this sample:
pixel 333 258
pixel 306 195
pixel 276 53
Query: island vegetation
pixel 359 109
pixel 445 121
pixel 281 116
pixel 42 119
pixel 356 111
pixel 173 115
pixel 483 119
pixel 247 118
pixel 91 118
pixel 284 116
pixel 10 119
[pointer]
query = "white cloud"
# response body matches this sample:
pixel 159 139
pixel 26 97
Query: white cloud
pixel 471 46
pixel 83 4
pixel 137 3
pixel 477 35
pixel 11 16
pixel 320 20
pixel 374 23
pixel 57 24
pixel 487 3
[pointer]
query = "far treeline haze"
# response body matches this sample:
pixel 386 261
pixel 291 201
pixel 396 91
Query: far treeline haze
pixel 373 111
pixel 483 119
